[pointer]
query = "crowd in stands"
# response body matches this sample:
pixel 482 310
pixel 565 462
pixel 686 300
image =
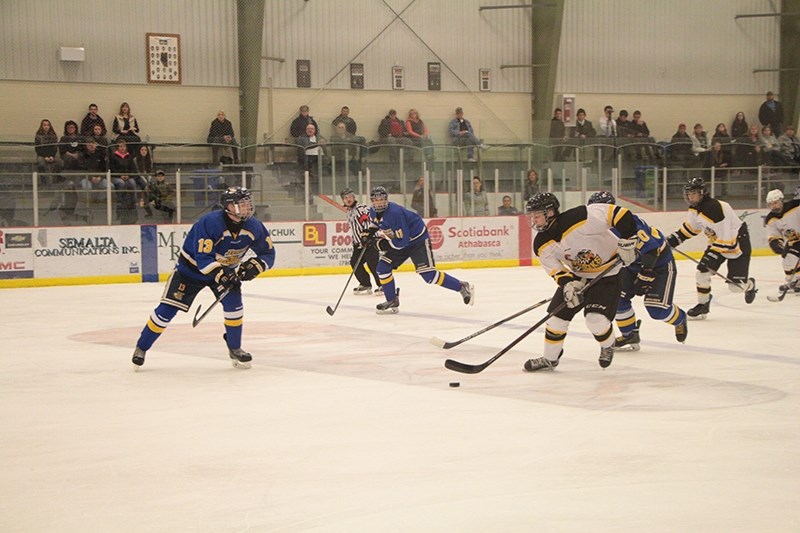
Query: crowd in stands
pixel 771 143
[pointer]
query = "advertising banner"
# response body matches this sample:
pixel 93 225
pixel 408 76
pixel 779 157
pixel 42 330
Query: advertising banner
pixel 87 251
pixel 16 254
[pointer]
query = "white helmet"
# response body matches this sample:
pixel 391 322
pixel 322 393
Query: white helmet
pixel 774 195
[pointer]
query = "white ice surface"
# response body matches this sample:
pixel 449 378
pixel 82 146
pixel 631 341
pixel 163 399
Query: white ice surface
pixel 347 423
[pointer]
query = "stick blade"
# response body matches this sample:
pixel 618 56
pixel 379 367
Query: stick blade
pixel 329 310
pixel 439 343
pixel 778 298
pixel 464 368
pixel 196 320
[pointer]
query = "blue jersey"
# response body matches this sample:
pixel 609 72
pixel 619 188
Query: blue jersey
pixel 215 241
pixel 652 246
pixel 405 227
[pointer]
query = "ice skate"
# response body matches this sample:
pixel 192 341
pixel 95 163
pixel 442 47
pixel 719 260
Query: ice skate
pixel 362 290
pixel 138 358
pixel 606 355
pixel 681 331
pixel 750 291
pixel 467 293
pixel 540 363
pixel 699 311
pixel 792 287
pixel 239 358
pixel 629 342
pixel 389 307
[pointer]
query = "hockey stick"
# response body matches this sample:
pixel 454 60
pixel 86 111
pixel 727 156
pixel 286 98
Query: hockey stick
pixel 465 368
pixel 786 289
pixel 330 310
pixel 749 295
pixel 196 320
pixel 436 341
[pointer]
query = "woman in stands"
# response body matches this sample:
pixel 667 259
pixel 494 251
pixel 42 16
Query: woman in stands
pixel 46 143
pixel 126 127
pixel 144 167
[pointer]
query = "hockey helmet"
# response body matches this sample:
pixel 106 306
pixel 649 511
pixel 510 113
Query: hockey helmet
pixel 695 184
pixel 775 200
pixel 237 203
pixel 380 198
pixel 543 202
pixel 601 197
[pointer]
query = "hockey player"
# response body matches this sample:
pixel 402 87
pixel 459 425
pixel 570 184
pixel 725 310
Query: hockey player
pixel 402 234
pixel 783 233
pixel 358 217
pixel 574 247
pixel 652 275
pixel 215 245
pixel 728 238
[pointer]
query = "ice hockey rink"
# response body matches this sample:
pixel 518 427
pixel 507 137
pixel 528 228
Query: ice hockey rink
pixel 348 423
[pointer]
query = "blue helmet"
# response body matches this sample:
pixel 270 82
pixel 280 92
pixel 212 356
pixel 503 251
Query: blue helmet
pixel 601 197
pixel 379 193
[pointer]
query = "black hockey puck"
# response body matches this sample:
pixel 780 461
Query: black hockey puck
pixel 455 384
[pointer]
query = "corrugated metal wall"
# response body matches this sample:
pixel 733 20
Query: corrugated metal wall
pixel 452 32
pixel 667 47
pixel 113 34
pixel 608 46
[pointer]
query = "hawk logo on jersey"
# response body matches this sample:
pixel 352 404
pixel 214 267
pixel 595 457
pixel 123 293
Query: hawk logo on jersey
pixel 710 234
pixel 586 260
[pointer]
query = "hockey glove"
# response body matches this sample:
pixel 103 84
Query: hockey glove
pixel 382 245
pixel 644 281
pixel 389 233
pixel 572 293
pixel 369 232
pixel 673 240
pixel 250 269
pixel 626 249
pixel 226 279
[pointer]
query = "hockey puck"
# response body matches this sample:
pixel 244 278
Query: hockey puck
pixel 455 384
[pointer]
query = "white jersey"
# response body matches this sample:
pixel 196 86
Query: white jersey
pixel 785 226
pixel 580 243
pixel 720 224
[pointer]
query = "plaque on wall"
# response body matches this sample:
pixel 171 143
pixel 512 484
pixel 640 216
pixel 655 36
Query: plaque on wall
pixel 356 75
pixel 163 58
pixel 303 67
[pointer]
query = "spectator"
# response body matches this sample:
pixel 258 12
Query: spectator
pixel 583 130
pixel 69 147
pixel 607 125
pixel 721 136
pixel 90 120
pixel 311 144
pixel 100 138
pixel 123 169
pixel 771 113
pixel 344 118
pixel 418 199
pixel 789 147
pixel 348 144
pixel 507 210
pixel 126 127
pixel 144 170
pixel 161 195
pixel 680 151
pixel 392 131
pixel 95 159
pixel 303 119
pixel 739 127
pixel 558 134
pixel 531 185
pixel 46 143
pixel 583 127
pixel 749 150
pixel 625 133
pixel 769 147
pixel 224 148
pixel 462 134
pixel 719 159
pixel 418 132
pixel 477 201
pixel 642 135
pixel 699 145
